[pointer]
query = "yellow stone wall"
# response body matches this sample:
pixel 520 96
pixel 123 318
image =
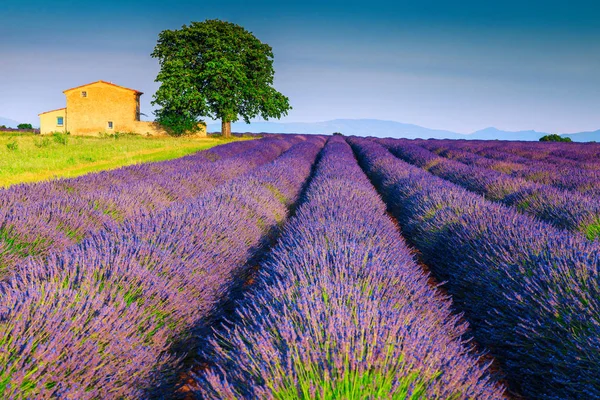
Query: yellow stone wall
pixel 48 121
pixel 103 102
pixel 154 129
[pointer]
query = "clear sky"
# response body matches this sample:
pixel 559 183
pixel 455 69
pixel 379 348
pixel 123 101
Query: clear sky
pixel 456 65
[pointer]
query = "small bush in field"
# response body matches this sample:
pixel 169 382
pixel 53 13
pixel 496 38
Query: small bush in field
pixel 555 138
pixel 39 143
pixel 12 145
pixel 60 138
pixel 118 135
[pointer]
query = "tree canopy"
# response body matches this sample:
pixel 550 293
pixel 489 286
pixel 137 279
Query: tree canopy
pixel 554 138
pixel 214 69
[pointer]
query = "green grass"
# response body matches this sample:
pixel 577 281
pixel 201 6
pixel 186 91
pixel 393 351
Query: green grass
pixel 26 157
pixel 592 231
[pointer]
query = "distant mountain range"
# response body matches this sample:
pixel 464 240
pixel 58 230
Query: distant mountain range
pixel 380 128
pixel 584 136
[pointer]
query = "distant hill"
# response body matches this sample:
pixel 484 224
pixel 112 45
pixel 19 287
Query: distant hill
pixel 381 128
pixel 584 136
pixel 358 127
pixel 494 133
pixel 9 123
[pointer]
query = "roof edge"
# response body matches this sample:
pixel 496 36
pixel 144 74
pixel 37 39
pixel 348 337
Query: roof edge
pixel 58 109
pixel 101 81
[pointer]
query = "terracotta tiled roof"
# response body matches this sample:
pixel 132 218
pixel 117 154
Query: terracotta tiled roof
pixel 58 109
pixel 108 83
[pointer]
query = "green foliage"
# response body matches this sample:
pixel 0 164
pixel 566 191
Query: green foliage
pixel 177 123
pixel 346 383
pixel 23 246
pixel 214 69
pixel 42 142
pixel 338 134
pixel 117 135
pixel 24 126
pixel 555 138
pixel 592 231
pixel 12 145
pixel 60 138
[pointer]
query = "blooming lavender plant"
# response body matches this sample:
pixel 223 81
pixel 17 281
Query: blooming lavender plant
pixel 98 320
pixel 51 216
pixel 531 293
pixel 571 166
pixel 563 209
pixel 341 310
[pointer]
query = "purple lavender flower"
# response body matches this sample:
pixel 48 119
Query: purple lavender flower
pixel 530 292
pixel 341 310
pixel 99 319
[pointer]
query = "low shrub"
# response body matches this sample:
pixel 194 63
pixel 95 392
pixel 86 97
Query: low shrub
pixel 117 135
pixel 555 138
pixel 12 145
pixel 42 142
pixel 60 138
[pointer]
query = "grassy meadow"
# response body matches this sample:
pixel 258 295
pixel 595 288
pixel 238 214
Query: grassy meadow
pixel 27 157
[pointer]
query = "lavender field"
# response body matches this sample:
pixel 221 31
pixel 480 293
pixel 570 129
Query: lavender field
pixel 309 267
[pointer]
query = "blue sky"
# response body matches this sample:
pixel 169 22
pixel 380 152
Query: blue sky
pixel 456 65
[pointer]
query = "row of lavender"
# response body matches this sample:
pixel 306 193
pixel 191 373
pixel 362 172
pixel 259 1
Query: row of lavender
pixel 51 216
pixel 531 293
pixel 341 310
pixel 563 209
pixel 100 319
pixel 586 155
pixel 580 175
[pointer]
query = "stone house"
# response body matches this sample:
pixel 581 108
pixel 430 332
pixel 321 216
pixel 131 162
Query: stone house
pixel 100 107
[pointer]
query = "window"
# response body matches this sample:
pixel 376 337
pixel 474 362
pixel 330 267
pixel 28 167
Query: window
pixel 110 124
pixel 60 121
pixel 83 93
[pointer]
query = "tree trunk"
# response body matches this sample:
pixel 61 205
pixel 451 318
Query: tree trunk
pixel 226 128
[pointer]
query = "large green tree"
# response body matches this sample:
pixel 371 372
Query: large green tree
pixel 214 69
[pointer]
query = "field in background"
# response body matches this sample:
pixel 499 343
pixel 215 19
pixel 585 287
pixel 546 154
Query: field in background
pixel 26 157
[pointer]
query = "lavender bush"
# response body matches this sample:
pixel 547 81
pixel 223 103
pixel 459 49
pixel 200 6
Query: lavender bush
pixel 51 216
pixel 341 310
pixel 98 320
pixel 531 293
pixel 574 167
pixel 563 209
